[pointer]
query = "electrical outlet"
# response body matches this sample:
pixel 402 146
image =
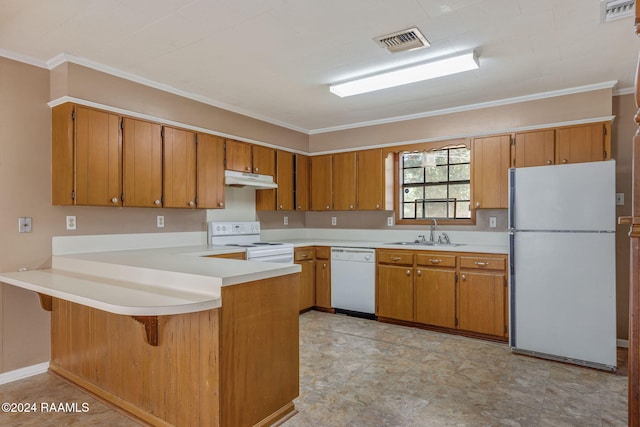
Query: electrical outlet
pixel 492 222
pixel 24 224
pixel 334 220
pixel 286 220
pixel 620 199
pixel 389 221
pixel 160 221
pixel 71 222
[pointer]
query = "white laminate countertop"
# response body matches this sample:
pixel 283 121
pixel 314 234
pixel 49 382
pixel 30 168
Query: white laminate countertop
pixel 146 282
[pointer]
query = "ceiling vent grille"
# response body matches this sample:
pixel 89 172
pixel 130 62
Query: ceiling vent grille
pixel 400 41
pixel 610 10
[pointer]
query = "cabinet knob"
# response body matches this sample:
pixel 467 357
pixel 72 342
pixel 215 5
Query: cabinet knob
pixel 549 162
pixel 221 204
pixel 408 272
pixel 328 206
pixel 256 169
pixel 477 204
pixel 350 206
pixel 299 206
pixel 377 206
pixel 281 206
pixel 156 202
pixel 565 161
pixel 419 272
pixel 114 200
pixel 324 265
pixel 192 203
pixel 247 169
pixel 464 277
pixel 435 261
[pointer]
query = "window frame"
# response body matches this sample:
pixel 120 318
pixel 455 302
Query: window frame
pixel 397 184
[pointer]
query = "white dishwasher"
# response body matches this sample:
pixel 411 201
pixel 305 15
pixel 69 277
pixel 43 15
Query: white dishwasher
pixel 353 281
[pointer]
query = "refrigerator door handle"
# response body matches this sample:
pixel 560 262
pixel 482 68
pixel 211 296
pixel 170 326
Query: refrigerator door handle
pixel 512 289
pixel 512 197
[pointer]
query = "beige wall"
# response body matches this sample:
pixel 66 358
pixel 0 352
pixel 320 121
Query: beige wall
pixel 25 174
pixel 84 83
pixel 565 108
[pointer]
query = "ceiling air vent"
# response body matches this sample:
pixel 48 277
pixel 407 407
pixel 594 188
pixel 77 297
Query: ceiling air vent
pixel 610 10
pixel 403 40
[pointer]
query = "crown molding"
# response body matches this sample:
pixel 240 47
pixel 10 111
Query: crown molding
pixel 23 58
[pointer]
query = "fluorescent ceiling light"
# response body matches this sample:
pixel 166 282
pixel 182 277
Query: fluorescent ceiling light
pixel 415 73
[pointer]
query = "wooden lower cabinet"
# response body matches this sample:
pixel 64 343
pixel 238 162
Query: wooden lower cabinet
pixel 305 258
pixel 232 255
pixel 464 292
pixel 395 292
pixel 323 277
pixel 435 297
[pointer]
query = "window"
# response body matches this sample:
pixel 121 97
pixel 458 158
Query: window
pixel 436 184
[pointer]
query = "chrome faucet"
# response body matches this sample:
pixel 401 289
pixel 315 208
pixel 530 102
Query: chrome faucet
pixel 444 239
pixel 434 224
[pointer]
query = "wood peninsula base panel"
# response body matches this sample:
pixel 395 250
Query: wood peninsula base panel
pixel 233 366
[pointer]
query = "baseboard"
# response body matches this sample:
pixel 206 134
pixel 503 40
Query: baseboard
pixel 622 343
pixel 23 373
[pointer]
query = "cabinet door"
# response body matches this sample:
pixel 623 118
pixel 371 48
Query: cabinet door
pixel 98 163
pixel 490 163
pixel 344 181
pixel 142 160
pixel 535 148
pixel 284 176
pixel 321 198
pixel 264 160
pixel 307 284
pixel 179 168
pixel 323 284
pixel 436 297
pixel 394 298
pixel 302 183
pixel 584 143
pixel 238 156
pixel 370 179
pixel 210 166
pixel 62 161
pixel 481 303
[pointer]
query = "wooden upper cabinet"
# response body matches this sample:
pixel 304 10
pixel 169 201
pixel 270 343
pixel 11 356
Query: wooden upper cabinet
pixel 210 167
pixel 245 157
pixel 284 176
pixel 97 158
pixel 282 197
pixel 320 179
pixel 142 161
pixel 344 181
pixel 490 163
pixel 238 156
pixel 583 143
pixel 301 189
pixel 264 160
pixel 370 179
pixel 535 148
pixel 179 169
pixel 62 163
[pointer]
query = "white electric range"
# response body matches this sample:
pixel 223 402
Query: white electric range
pixel 246 235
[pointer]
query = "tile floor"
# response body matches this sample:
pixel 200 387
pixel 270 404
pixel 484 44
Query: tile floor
pixel 356 372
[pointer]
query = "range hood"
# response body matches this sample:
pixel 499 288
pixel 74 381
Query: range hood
pixel 243 179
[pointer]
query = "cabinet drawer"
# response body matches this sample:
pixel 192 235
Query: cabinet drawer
pixel 400 258
pixel 323 252
pixel 483 262
pixel 436 260
pixel 303 254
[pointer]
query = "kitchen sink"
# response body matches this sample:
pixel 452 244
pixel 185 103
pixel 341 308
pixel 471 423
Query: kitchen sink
pixel 418 243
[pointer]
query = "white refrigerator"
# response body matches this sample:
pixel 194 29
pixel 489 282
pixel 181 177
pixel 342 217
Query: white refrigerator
pixel 562 263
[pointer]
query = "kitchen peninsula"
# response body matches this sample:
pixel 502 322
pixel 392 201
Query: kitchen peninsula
pixel 173 337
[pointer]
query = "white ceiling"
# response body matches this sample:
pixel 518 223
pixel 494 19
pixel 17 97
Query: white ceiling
pixel 274 59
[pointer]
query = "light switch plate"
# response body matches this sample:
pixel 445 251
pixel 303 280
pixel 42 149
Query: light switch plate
pixel 160 221
pixel 286 220
pixel 620 199
pixel 389 221
pixel 492 222
pixel 334 220
pixel 24 224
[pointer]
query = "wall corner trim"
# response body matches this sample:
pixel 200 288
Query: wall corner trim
pixel 22 373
